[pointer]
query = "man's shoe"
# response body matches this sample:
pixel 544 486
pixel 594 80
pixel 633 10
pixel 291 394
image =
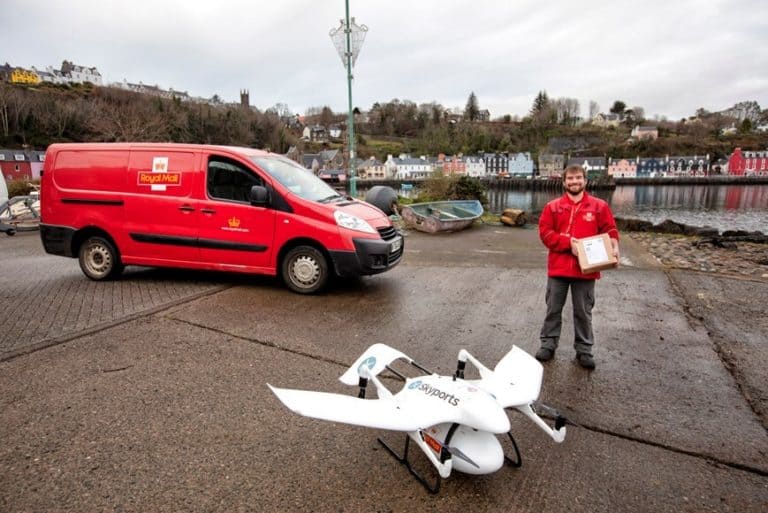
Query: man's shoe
pixel 545 354
pixel 586 361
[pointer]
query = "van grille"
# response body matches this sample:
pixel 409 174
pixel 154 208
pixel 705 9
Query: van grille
pixel 388 232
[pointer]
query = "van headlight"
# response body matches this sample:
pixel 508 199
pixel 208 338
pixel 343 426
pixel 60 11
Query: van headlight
pixel 352 222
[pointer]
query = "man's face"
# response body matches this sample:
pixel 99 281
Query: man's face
pixel 574 183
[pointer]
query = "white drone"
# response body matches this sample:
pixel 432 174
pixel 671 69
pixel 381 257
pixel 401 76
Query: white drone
pixel 453 420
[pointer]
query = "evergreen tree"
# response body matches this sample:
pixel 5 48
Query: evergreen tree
pixel 471 111
pixel 618 107
pixel 540 103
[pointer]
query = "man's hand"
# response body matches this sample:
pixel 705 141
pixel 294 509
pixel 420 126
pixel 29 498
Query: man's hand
pixel 615 247
pixel 574 245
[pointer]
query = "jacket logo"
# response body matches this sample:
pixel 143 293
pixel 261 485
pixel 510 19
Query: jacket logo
pixel 589 217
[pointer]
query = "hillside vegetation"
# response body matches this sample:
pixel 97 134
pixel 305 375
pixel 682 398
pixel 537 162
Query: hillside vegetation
pixel 36 116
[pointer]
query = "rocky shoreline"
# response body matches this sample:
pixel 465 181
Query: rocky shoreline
pixel 737 258
pixel 679 246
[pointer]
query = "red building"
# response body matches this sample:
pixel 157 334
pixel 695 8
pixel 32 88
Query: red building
pixel 15 165
pixel 748 163
pixel 454 165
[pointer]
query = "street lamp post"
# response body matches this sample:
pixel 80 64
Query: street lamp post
pixel 348 39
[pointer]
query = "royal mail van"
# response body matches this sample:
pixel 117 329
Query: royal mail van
pixel 207 207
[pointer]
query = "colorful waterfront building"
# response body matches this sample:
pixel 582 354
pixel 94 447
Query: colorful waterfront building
pixel 649 167
pixel 689 165
pixel 551 164
pixel 496 164
pixel 15 165
pixel 475 166
pixel 521 164
pixel 594 166
pixel 452 165
pixel 622 168
pixel 372 169
pixel 406 167
pixel 748 163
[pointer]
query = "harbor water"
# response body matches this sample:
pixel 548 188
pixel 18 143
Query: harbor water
pixel 724 207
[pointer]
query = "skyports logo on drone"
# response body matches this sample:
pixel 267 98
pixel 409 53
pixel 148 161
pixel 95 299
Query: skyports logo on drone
pixel 434 392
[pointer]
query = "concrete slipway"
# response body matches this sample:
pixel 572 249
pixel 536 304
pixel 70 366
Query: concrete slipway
pixel 168 410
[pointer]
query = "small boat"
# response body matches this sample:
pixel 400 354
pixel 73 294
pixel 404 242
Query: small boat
pixel 442 216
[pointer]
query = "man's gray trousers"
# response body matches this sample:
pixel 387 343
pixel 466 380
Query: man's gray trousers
pixel 582 299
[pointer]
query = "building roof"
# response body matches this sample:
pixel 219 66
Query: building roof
pixel 591 161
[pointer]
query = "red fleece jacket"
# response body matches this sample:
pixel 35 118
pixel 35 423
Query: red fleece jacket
pixel 563 219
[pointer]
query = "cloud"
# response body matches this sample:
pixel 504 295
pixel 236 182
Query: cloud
pixel 668 57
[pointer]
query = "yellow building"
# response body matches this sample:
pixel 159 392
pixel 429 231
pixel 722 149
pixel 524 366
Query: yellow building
pixel 23 76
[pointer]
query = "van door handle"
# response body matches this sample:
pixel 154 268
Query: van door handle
pixel 186 208
pixel 207 211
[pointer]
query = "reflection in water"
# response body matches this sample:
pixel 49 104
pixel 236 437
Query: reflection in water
pixel 725 207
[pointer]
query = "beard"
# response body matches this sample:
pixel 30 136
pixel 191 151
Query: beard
pixel 574 190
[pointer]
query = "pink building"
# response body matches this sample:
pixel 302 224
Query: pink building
pixel 453 165
pixel 622 168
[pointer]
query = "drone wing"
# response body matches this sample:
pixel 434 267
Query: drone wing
pixel 516 379
pixel 376 358
pixel 372 413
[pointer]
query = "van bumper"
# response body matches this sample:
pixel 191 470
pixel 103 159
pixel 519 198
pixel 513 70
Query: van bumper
pixel 370 257
pixel 57 240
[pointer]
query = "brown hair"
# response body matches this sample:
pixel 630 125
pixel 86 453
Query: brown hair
pixel 574 168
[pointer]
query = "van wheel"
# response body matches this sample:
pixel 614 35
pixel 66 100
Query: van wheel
pixel 305 269
pixel 99 259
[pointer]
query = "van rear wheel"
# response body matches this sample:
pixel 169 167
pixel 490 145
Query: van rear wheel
pixel 99 259
pixel 305 269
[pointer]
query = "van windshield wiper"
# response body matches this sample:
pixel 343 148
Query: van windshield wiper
pixel 330 198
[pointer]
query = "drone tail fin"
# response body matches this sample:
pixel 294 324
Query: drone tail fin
pixel 375 359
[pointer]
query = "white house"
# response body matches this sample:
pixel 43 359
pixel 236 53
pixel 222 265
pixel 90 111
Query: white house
pixel 406 167
pixel 520 164
pixel 475 166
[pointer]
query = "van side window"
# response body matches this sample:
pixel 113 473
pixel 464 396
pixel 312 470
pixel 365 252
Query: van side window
pixel 229 180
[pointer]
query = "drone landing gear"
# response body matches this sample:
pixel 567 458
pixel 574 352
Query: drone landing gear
pixel 431 488
pixel 519 462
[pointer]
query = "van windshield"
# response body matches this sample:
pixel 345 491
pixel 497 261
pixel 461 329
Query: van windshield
pixel 298 180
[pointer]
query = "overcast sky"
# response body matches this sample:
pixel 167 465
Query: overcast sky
pixel 668 56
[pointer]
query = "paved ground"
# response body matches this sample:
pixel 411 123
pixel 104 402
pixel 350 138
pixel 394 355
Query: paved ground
pixel 168 409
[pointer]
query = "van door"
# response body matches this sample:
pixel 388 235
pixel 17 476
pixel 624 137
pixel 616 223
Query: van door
pixel 161 213
pixel 232 231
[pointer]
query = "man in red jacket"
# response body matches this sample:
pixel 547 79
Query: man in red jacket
pixel 563 221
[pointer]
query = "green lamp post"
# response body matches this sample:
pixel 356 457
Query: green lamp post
pixel 348 39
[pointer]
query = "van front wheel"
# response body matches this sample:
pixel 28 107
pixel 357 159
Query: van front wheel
pixel 99 259
pixel 305 269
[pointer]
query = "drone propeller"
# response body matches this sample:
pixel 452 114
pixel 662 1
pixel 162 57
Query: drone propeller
pixel 445 450
pixel 454 451
pixel 560 419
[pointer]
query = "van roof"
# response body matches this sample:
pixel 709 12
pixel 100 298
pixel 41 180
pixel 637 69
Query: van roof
pixel 249 152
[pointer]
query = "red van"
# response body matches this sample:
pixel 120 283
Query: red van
pixel 207 207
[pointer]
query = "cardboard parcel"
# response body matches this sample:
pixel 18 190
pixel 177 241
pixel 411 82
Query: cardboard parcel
pixel 595 253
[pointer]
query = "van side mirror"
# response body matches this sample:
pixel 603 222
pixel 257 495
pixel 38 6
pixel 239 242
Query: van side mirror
pixel 259 195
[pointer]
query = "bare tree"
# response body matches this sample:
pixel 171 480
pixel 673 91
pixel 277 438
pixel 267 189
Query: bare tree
pixel 566 110
pixel 594 109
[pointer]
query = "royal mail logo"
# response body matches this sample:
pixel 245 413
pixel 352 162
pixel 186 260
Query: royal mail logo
pixel 589 217
pixel 233 222
pixel 159 178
